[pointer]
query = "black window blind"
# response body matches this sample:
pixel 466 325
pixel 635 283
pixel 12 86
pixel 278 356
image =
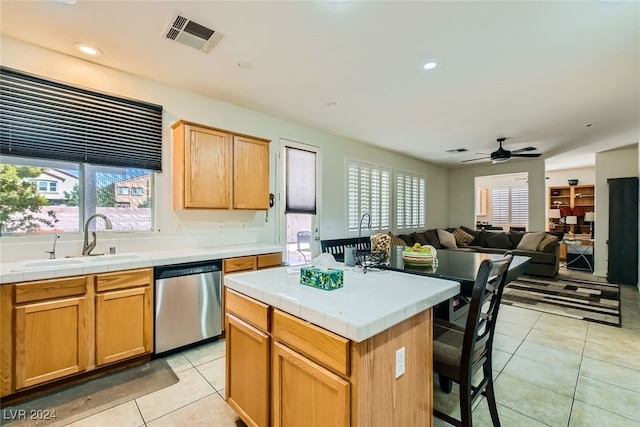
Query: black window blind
pixel 50 120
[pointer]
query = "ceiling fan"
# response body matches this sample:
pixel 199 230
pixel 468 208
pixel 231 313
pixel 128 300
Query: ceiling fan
pixel 502 155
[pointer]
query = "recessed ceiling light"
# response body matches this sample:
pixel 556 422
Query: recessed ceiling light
pixel 243 64
pixel 331 104
pixel 430 64
pixel 87 49
pixel 67 1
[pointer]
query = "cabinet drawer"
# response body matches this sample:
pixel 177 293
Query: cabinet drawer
pixel 270 260
pixel 324 347
pixel 123 279
pixel 243 263
pixel 50 289
pixel 248 309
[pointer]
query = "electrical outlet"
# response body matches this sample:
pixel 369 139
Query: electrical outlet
pixel 400 362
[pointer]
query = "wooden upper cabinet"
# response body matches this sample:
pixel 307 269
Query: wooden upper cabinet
pixel 250 173
pixel 217 169
pixel 201 167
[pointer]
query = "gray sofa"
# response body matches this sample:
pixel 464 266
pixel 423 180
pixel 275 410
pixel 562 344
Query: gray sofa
pixel 543 262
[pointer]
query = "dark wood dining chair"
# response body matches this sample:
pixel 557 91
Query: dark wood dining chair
pixel 459 353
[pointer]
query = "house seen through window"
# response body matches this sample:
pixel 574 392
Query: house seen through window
pixel 52 196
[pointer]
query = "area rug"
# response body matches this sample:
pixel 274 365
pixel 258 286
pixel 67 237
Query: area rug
pixel 91 396
pixel 578 299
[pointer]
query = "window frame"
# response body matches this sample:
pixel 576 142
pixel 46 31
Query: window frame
pixel 380 214
pixel 418 208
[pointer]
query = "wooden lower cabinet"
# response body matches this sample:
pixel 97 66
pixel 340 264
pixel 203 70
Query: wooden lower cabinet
pixel 326 396
pixel 52 329
pixel 318 378
pixel 51 340
pixel 124 315
pixel 247 388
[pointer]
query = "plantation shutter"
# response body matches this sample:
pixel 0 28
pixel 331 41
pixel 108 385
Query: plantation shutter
pixel 500 205
pixel 49 120
pixel 300 181
pixel 520 205
pixel 368 191
pixel 410 200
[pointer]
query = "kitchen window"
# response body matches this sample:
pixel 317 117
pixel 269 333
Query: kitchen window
pixel 368 191
pixel 410 200
pixel 91 143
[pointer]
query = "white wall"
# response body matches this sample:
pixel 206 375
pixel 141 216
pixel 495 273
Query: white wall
pixel 609 164
pixel 237 226
pixel 557 178
pixel 462 189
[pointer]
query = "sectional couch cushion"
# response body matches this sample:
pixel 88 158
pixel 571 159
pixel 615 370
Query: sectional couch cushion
pixel 408 239
pixel 419 238
pixel 546 241
pixel 516 237
pixel 499 241
pixel 432 238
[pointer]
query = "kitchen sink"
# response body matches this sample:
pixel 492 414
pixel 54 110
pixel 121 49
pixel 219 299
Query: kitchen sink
pixel 47 263
pixel 111 258
pixel 74 261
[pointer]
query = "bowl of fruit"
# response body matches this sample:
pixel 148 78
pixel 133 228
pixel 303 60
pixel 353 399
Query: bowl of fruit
pixel 419 255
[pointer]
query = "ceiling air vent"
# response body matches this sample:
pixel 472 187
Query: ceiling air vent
pixel 185 31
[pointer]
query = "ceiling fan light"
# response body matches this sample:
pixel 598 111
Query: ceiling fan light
pixel 499 160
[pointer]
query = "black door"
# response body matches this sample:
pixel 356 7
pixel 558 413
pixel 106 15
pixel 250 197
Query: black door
pixel 623 231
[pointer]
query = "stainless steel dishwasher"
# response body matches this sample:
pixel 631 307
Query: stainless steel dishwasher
pixel 188 304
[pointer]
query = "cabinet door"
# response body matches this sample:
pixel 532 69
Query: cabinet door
pixel 250 173
pixel 304 390
pixel 207 168
pixel 51 340
pixel 123 324
pixel 247 371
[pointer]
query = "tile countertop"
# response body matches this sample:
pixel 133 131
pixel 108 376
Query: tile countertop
pixel 367 304
pixel 142 259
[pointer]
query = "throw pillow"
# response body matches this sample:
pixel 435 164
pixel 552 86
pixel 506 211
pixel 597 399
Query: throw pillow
pixel 481 239
pixel 419 238
pixel 408 240
pixel 530 241
pixel 446 239
pixel 474 233
pixel 546 241
pixel 397 241
pixel 499 241
pixel 431 237
pixel 462 237
pixel 516 237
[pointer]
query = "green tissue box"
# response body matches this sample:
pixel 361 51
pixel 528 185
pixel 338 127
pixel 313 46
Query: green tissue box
pixel 323 279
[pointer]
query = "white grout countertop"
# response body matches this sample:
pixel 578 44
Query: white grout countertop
pixel 367 304
pixel 15 272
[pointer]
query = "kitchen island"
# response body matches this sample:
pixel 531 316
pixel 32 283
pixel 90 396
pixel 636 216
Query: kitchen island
pixel 360 355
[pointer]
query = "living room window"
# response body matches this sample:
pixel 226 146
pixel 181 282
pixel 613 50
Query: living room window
pixel 368 191
pixel 510 206
pixel 86 143
pixel 410 200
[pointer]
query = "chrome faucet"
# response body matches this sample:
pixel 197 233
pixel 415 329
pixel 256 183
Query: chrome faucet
pixel 52 252
pixel 364 215
pixel 88 247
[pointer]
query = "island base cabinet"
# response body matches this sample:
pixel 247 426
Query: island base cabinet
pixel 304 390
pixel 247 379
pixel 123 324
pixel 50 340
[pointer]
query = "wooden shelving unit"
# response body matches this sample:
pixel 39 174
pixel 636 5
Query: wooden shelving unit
pixel 573 196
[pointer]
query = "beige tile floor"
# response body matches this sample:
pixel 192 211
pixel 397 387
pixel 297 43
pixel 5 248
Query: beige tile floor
pixel 550 371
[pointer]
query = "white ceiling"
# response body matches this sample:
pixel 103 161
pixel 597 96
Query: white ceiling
pixel 535 72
